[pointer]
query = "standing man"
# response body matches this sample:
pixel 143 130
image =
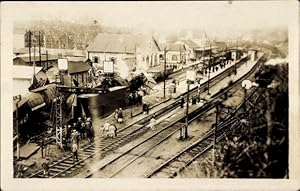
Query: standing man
pixel 75 137
pixel 46 167
pixel 181 101
pixel 152 122
pixel 75 151
pixel 120 116
pixel 174 85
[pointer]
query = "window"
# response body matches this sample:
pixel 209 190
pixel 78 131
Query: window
pixel 174 57
pixel 96 59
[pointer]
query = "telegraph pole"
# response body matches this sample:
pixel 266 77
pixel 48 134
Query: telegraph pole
pixel 40 55
pixel 209 69
pixel 33 60
pixel 180 52
pixel 165 65
pixel 135 56
pixel 187 111
pixel 215 135
pixel 29 46
pixel 47 58
pixel 236 56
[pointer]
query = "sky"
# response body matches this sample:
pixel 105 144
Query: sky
pixel 160 16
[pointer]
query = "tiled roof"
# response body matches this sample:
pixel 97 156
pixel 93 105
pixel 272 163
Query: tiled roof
pixel 121 43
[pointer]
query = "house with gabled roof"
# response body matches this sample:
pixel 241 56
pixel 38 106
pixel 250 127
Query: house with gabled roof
pixel 190 47
pixel 128 51
pixel 176 54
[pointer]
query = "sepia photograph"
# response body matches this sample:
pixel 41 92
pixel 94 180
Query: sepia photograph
pixel 150 95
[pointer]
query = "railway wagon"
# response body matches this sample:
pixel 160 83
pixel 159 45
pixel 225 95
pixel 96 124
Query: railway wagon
pixel 101 105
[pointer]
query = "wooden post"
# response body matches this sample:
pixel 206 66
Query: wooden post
pixel 40 55
pixel 209 69
pixel 187 111
pixel 165 65
pixel 29 46
pixel 215 138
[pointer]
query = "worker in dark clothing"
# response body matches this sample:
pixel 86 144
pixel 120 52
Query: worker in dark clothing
pixel 69 131
pixel 146 108
pixel 181 101
pixel 174 86
pixel 80 126
pixel 76 83
pixel 89 129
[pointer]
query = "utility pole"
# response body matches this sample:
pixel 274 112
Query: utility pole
pixel 29 46
pixel 47 58
pixel 209 69
pixel 135 56
pixel 165 65
pixel 180 52
pixel 215 135
pixel 226 55
pixel 187 111
pixel 33 60
pixel 40 55
pixel 236 57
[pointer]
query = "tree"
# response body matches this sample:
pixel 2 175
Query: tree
pixel 259 148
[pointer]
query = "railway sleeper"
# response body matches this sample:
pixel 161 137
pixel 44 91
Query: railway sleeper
pixel 65 164
pixel 60 167
pixel 61 175
pixel 89 150
pixel 177 164
pixel 86 153
pixel 165 173
pixel 68 161
pixel 182 159
pixel 170 168
pixel 197 149
pixel 193 153
pixel 55 170
pixel 39 176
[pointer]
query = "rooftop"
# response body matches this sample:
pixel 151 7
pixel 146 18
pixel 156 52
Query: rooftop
pixel 121 43
pixel 172 47
pixel 37 58
pixel 190 43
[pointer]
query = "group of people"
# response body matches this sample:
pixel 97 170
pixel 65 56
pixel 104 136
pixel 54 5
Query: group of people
pixel 135 98
pixel 82 129
pixel 109 130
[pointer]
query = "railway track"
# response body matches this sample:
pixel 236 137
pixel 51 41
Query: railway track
pixel 171 167
pixel 65 166
pixel 167 132
pixel 163 131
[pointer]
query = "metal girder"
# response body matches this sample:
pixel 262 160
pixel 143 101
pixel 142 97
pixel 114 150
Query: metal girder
pixel 58 120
